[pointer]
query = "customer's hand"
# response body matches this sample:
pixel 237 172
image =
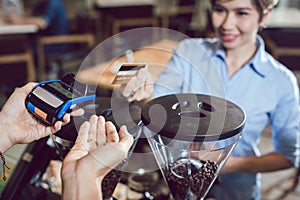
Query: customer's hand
pixel 18 125
pixel 97 150
pixel 139 87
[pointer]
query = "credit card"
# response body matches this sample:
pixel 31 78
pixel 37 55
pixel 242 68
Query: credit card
pixel 126 72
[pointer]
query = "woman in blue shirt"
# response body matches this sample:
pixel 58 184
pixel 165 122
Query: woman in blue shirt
pixel 239 70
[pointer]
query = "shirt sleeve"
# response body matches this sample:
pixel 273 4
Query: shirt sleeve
pixel 190 70
pixel 170 81
pixel 285 122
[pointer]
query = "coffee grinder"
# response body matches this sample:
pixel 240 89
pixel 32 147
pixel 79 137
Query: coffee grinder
pixel 191 136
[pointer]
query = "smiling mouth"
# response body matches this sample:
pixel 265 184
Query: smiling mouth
pixel 228 38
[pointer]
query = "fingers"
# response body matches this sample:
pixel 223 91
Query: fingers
pixel 111 132
pixel 115 150
pixel 77 112
pixel 113 146
pixel 57 126
pixel 83 132
pixel 92 134
pixel 138 87
pixel 84 129
pixel 129 87
pixel 28 87
pixel 126 140
pixel 66 118
pixel 97 132
pixel 142 76
pixel 101 132
pixel 101 136
pixel 148 87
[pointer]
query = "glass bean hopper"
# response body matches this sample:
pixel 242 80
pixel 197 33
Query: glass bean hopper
pixel 191 136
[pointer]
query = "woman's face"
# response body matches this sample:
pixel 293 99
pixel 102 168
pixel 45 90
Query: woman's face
pixel 236 22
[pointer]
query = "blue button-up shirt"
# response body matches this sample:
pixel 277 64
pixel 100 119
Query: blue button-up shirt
pixel 265 89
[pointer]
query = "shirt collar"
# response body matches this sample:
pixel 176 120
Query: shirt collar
pixel 258 60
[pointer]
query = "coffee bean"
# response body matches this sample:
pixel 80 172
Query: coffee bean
pixel 188 178
pixel 111 180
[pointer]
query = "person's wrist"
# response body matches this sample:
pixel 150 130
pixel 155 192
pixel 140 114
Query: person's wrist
pixel 5 142
pixel 82 172
pixel 81 184
pixel 69 191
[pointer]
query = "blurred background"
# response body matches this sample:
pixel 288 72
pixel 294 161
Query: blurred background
pixel 93 21
pixel 29 52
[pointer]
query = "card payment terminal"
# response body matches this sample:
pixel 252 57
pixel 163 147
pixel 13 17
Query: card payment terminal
pixel 50 100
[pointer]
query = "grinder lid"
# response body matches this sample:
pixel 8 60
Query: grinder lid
pixel 193 117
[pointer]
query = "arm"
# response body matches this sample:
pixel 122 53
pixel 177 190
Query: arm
pixel 252 164
pixel 97 150
pixel 39 21
pixel 284 121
